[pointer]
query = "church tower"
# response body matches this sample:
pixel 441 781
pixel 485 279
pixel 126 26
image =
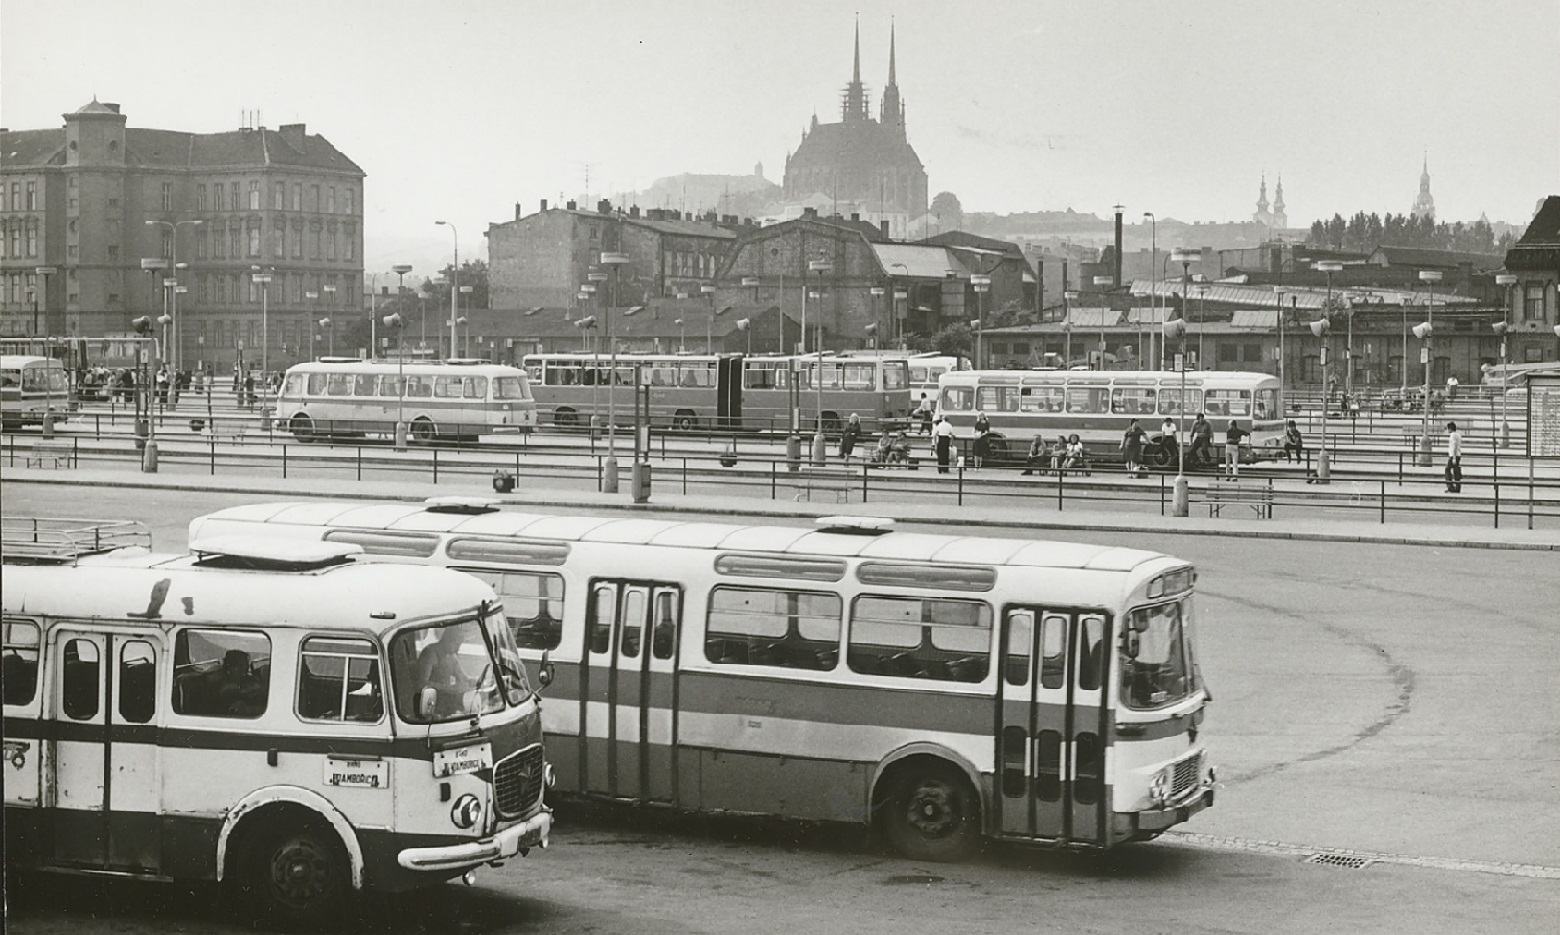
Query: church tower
pixel 892 112
pixel 1280 218
pixel 853 105
pixel 1262 215
pixel 1424 205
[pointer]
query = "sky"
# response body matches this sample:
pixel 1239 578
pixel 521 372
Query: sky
pixel 458 109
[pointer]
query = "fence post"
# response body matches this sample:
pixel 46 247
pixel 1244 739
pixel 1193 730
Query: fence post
pixel 360 462
pixel 685 475
pixel 75 452
pixel 212 440
pixel 1161 493
pixel 1383 502
pixel 598 473
pixel 863 482
pixel 1061 474
pixel 772 494
pixel 961 482
pixel 435 464
pixel 1400 469
pixel 1497 503
pixel 1530 493
pixel 97 426
pixel 284 460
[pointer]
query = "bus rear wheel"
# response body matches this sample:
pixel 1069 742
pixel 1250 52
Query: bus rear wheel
pixel 565 417
pixel 684 421
pixel 295 875
pixel 1158 456
pixel 302 428
pixel 931 813
pixel 424 430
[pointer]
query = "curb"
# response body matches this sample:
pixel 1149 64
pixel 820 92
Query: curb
pixel 793 513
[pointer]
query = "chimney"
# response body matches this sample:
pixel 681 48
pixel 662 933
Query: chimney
pixel 572 205
pixel 544 204
pixel 883 229
pixel 809 212
pixel 1116 279
pixel 855 215
pixel 633 211
pixel 293 135
pixel 604 206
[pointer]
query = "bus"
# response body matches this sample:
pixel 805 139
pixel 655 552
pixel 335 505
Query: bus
pixel 450 399
pixel 272 715
pixel 939 688
pixel 1099 405
pixel 924 369
pixel 32 386
pixel 692 392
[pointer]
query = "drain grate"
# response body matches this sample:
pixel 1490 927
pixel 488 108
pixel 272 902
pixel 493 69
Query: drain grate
pixel 1345 861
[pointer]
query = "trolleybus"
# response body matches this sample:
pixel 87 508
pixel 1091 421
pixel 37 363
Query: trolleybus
pixel 938 687
pixel 690 392
pixel 270 714
pixel 456 398
pixel 1099 405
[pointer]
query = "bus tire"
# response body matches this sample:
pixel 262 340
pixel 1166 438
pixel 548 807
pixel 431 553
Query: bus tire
pixel 302 428
pixel 685 421
pixel 996 448
pixel 423 429
pixel 930 811
pixel 565 417
pixel 1157 456
pixel 295 875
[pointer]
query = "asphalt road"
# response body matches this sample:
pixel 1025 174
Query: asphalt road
pixel 1395 701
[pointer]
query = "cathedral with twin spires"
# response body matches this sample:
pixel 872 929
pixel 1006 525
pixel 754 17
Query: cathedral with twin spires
pixel 860 165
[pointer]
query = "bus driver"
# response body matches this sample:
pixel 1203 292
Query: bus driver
pixel 439 667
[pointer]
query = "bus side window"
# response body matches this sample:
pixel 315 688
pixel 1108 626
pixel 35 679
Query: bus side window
pixel 1053 651
pixel 1091 656
pixel 137 681
pixel 79 680
pixel 365 384
pixel 1015 665
pixel 663 623
pixel 603 611
pixel 338 680
pixel 19 662
pixel 533 604
pixel 221 673
pixel 294 386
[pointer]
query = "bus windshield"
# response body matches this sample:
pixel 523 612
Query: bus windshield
pixel 510 388
pixel 1157 667
pixel 445 672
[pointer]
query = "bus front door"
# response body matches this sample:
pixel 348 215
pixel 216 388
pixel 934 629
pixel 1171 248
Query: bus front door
pixel 628 748
pixel 104 763
pixel 1049 755
pixel 728 392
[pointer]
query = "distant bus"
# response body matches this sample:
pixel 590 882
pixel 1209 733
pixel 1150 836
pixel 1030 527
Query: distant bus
pixel 442 399
pixel 31 386
pixel 1099 405
pixel 691 392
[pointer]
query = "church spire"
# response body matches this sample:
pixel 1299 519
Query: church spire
pixel 892 113
pixel 853 105
pixel 1424 204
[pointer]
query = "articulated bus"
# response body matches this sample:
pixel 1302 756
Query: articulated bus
pixel 938 687
pixel 32 386
pixel 725 391
pixel 1099 405
pixel 454 398
pixel 274 715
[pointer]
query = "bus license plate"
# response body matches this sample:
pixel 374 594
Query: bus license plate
pixel 459 760
pixel 356 774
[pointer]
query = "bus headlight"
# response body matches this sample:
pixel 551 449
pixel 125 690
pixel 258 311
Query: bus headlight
pixel 1159 786
pixel 466 812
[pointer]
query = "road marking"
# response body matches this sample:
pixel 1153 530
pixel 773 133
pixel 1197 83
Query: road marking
pixel 1211 842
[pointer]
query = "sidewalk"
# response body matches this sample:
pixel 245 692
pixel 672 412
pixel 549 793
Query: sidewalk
pixel 968 518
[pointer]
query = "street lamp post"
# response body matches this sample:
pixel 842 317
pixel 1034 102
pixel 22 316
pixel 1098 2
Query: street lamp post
pixel 465 339
pixel 609 477
pixel 173 259
pixel 707 290
pixel 400 270
pixel 1175 330
pixel 1103 281
pixel 1278 292
pixel 330 331
pixel 466 291
pixel 982 284
pixel 1153 272
pixel 1329 267
pixel 819 444
pixel 1508 280
pixel 1186 257
pixel 1067 296
pixel 1429 277
pixel 311 295
pixel 1320 328
pixel 877 309
pixel 454 282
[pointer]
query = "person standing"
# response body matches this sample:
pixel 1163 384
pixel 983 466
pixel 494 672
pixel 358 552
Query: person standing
pixel 942 443
pixel 1232 440
pixel 982 445
pixel 923 415
pixel 1202 442
pixel 1132 447
pixel 1453 458
pixel 850 437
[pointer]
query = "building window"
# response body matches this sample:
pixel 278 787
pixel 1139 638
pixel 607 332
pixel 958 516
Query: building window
pixel 279 240
pixel 278 196
pixel 330 243
pixel 113 202
pixel 235 237
pixel 233 200
pixel 297 196
pixel 315 198
pixel 297 242
pixel 32 196
pixel 349 246
pixel 349 196
pixel 200 197
pixel 217 242
pixel 330 200
pixel 314 243
pixel 32 238
pixel 167 196
pixel 113 251
pixel 200 246
pixel 1532 302
pixel 254 195
pixel 254 238
pixel 16 240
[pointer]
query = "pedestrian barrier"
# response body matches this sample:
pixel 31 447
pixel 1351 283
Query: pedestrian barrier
pixel 835 483
pixel 50 452
pixel 1232 491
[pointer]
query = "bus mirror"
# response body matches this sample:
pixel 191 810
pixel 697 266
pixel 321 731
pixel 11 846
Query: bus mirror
pixel 544 672
pixel 427 700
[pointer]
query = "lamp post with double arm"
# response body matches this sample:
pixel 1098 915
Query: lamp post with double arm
pixel 1174 329
pixel 1423 332
pixel 1507 280
pixel 173 261
pixel 1320 329
pixel 609 467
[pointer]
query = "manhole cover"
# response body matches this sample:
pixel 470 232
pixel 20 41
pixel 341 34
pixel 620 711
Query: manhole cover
pixel 1346 861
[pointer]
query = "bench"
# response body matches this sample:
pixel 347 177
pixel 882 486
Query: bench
pixel 1228 491
pixel 51 452
pixel 822 480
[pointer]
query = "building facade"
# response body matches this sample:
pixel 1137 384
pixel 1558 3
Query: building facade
pixel 861 165
pixel 116 212
pixel 1533 302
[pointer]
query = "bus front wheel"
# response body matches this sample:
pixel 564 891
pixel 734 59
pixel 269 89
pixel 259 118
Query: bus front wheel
pixel 565 417
pixel 301 427
pixel 423 430
pixel 931 813
pixel 296 875
pixel 684 421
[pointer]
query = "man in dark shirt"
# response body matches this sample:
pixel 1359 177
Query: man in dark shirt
pixel 1202 441
pixel 1232 439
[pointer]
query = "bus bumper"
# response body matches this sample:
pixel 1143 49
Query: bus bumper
pixel 530 833
pixel 1151 821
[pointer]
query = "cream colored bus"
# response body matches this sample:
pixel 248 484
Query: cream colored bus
pixel 264 713
pixel 939 687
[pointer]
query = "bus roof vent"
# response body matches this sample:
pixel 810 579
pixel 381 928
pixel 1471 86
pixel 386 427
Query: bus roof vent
pixel 464 361
pixel 855 525
pixel 340 360
pixel 465 506
pixel 272 554
pixel 37 540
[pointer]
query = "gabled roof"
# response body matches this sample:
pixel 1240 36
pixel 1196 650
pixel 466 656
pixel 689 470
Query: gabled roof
pixel 177 149
pixel 1424 256
pixel 32 147
pixel 966 240
pixel 1539 248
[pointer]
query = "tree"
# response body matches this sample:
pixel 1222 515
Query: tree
pixel 473 273
pixel 948 211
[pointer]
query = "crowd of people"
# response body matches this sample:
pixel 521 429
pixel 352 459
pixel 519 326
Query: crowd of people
pixel 119 384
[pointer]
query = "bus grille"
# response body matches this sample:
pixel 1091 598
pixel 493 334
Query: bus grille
pixel 517 781
pixel 1187 774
